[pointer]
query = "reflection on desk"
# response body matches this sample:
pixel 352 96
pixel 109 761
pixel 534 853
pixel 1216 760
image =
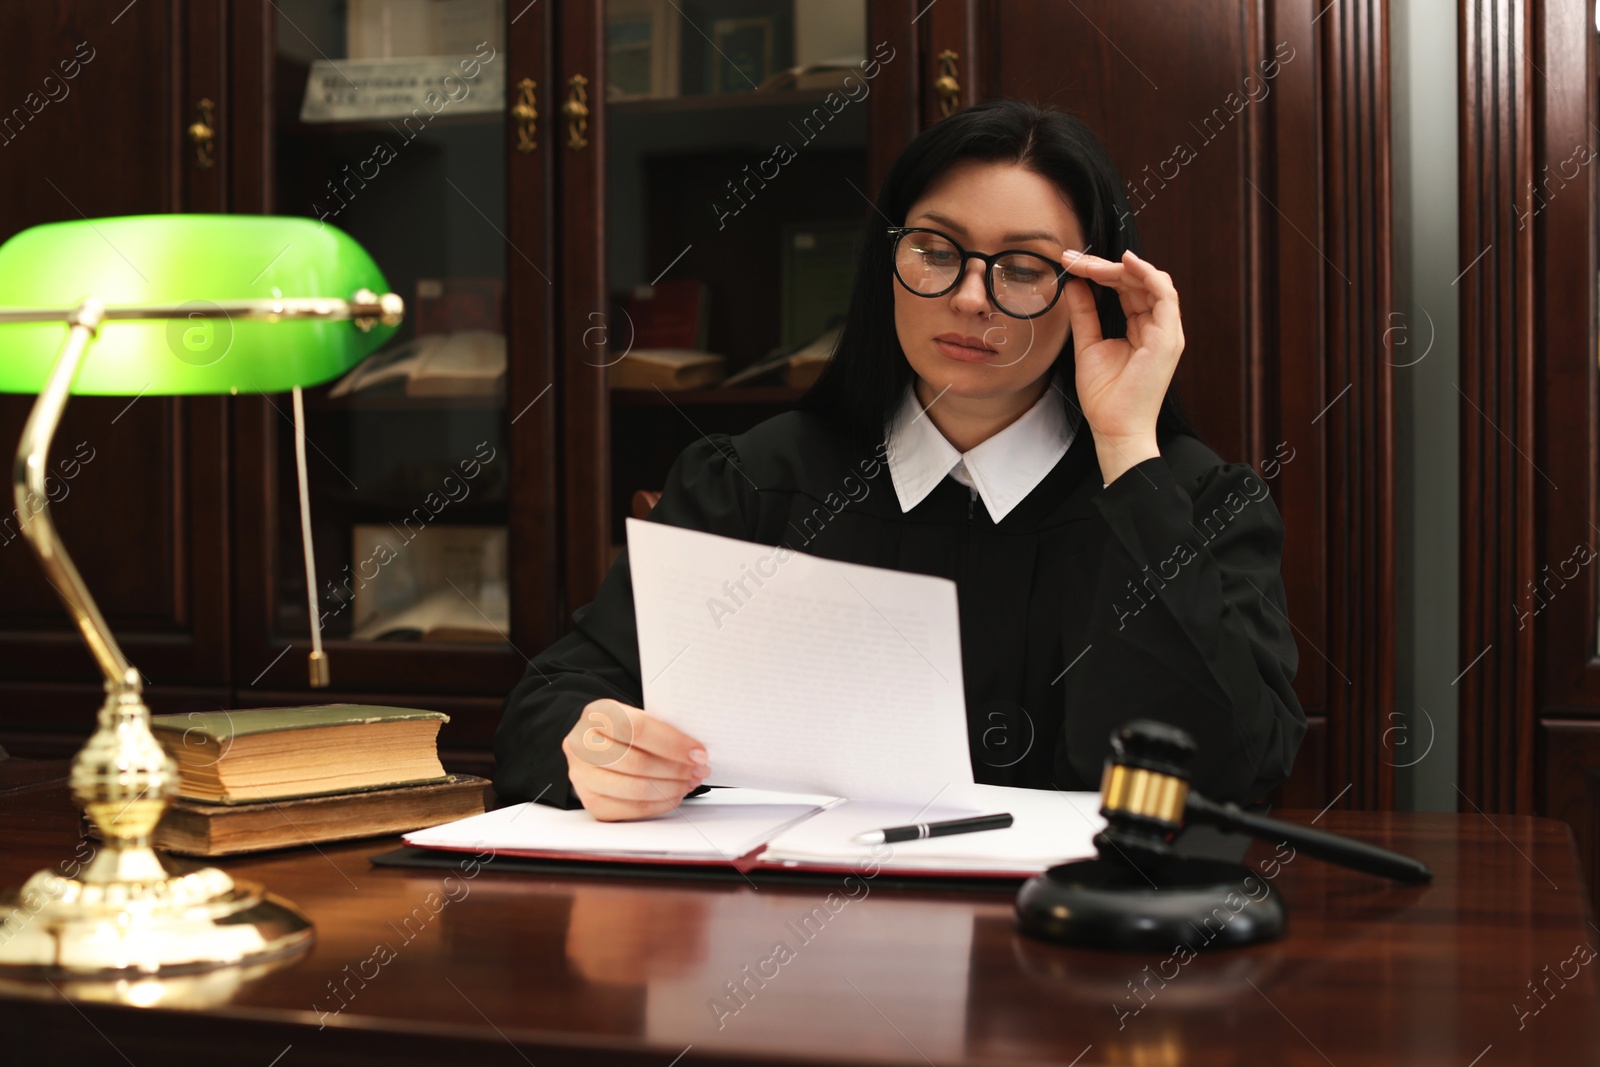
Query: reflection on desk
pixel 425 966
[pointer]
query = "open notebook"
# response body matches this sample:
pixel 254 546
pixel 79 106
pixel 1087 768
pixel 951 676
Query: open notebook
pixel 756 828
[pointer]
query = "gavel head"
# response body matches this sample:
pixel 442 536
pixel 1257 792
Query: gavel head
pixel 1143 791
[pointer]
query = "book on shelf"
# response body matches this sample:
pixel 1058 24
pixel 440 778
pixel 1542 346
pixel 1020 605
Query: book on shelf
pixel 802 369
pixel 195 828
pixel 448 305
pixel 738 44
pixel 669 315
pixel 668 369
pixel 438 582
pixel 823 74
pixel 390 29
pixel 825 30
pixel 442 616
pixel 818 270
pixel 641 49
pixel 466 363
pixel 273 754
pixel 801 365
pixel 754 829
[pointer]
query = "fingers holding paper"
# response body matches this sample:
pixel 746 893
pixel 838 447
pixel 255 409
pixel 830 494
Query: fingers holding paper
pixel 626 764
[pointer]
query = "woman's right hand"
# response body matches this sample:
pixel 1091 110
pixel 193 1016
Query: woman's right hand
pixel 627 764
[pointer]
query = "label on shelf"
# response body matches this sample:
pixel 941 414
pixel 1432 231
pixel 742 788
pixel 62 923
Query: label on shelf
pixel 412 89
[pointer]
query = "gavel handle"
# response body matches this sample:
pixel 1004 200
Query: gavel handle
pixel 1345 851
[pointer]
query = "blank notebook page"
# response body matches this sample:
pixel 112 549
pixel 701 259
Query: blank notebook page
pixel 1048 827
pixel 723 824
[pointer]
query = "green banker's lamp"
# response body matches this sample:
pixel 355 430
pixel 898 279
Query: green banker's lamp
pixel 173 305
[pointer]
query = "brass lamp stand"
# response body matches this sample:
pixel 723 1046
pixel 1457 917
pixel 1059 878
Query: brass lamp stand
pixel 125 912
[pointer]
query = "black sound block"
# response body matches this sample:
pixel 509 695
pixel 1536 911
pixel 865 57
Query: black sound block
pixel 1102 904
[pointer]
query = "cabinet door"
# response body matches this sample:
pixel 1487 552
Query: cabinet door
pixel 431 465
pixel 94 101
pixel 711 196
pixel 1529 640
pixel 1264 192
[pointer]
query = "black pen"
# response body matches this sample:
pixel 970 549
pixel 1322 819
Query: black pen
pixel 934 829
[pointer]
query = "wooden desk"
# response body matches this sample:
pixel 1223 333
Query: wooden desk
pixel 510 969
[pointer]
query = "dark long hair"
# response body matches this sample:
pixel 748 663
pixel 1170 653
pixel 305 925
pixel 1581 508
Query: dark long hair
pixel 864 382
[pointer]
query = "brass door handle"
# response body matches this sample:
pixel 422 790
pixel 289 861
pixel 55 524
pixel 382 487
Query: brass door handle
pixel 576 109
pixel 526 115
pixel 203 136
pixel 946 85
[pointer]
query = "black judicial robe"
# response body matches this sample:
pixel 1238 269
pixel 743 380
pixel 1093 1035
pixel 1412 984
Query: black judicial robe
pixel 1159 596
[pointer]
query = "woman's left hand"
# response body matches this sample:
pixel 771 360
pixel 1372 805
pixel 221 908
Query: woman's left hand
pixel 1122 381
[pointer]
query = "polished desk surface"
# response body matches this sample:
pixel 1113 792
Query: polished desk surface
pixel 434 966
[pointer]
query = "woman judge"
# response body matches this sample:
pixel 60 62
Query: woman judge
pixel 998 412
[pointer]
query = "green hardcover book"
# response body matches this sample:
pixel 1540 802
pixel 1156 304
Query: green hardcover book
pixel 819 262
pixel 262 754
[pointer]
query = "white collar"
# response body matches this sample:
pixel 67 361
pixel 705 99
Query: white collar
pixel 1003 469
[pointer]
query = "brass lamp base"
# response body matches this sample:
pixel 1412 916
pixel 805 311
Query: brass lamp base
pixel 126 914
pixel 172 925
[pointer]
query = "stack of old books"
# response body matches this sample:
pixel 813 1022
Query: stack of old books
pixel 278 777
pixel 665 347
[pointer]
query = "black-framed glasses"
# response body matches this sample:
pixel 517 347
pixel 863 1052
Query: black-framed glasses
pixel 1021 284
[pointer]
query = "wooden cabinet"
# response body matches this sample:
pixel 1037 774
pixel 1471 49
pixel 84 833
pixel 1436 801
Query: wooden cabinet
pixel 433 498
pixel 1530 401
pixel 92 124
pixel 514 208
pixel 706 186
pixel 1254 141
pixel 590 179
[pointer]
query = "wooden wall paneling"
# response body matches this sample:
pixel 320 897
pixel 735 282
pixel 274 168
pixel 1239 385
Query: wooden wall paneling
pixel 1560 606
pixel 1116 68
pixel 201 506
pixel 1294 320
pixel 246 148
pixel 252 115
pixel 533 391
pixel 1257 167
pixel 892 111
pixel 1569 787
pixel 1359 437
pixel 1274 225
pixel 951 25
pixel 256 650
pixel 51 720
pixel 581 377
pixel 144 517
pixel 245 140
pixel 1498 476
pixel 206 52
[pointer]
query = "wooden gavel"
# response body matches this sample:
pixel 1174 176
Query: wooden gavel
pixel 1146 800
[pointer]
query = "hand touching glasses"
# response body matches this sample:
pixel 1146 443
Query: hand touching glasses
pixel 1122 381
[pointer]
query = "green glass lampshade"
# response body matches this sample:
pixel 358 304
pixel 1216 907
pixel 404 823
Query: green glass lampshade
pixel 193 260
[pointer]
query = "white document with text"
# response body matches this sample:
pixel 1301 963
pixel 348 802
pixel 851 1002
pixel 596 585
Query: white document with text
pixel 799 673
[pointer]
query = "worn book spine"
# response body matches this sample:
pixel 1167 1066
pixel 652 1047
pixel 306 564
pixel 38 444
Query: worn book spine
pixel 223 726
pixel 666 368
pixel 199 829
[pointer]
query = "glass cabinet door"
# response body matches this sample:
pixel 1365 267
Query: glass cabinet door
pixel 735 185
pixel 390 123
